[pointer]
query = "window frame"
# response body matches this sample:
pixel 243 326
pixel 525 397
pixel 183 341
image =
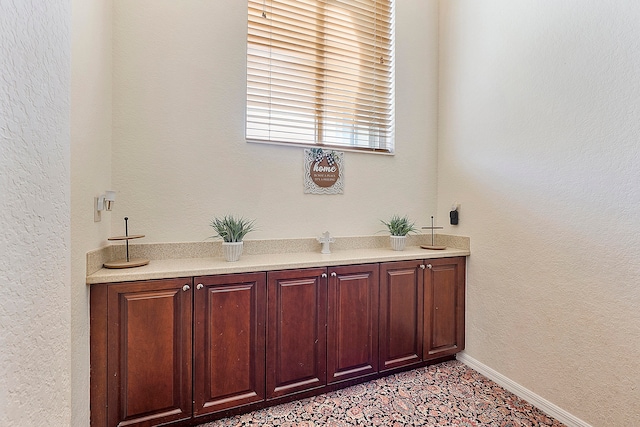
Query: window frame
pixel 380 107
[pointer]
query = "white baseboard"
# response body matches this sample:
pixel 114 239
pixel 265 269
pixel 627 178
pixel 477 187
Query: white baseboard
pixel 522 392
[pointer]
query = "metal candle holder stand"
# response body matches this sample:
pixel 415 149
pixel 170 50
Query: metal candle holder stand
pixel 432 246
pixel 127 262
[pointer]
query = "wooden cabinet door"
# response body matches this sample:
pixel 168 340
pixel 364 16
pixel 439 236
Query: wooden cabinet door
pixel 352 331
pixel 296 330
pixel 229 336
pixel 149 352
pixel 444 305
pixel 401 314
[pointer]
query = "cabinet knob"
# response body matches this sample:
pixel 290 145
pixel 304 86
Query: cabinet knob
pixel 324 275
pixel 429 266
pixel 333 274
pixel 186 288
pixel 199 286
pixel 422 266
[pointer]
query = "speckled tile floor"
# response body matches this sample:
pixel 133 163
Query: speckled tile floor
pixel 446 394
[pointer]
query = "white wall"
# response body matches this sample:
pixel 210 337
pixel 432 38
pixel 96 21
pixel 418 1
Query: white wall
pixel 179 154
pixel 540 143
pixel 91 67
pixel 179 66
pixel 35 333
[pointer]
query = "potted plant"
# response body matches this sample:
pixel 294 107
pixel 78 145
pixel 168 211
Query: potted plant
pixel 399 227
pixel 232 230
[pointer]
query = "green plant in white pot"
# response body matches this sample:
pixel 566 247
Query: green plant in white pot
pixel 399 227
pixel 232 230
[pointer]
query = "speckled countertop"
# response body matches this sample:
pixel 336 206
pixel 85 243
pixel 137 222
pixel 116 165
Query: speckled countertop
pixel 168 260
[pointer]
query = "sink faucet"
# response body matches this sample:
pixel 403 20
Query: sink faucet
pixel 326 239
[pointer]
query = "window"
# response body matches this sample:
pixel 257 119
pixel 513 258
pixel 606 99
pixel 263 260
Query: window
pixel 320 73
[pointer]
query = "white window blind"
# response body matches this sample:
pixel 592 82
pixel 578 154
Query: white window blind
pixel 320 73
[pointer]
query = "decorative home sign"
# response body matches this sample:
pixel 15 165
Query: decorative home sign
pixel 323 171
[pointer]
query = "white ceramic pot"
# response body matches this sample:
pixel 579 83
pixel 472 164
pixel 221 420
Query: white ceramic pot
pixel 398 242
pixel 232 250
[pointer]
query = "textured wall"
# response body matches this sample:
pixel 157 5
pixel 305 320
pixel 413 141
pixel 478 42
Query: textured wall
pixel 179 154
pixel 540 143
pixel 90 173
pixel 34 219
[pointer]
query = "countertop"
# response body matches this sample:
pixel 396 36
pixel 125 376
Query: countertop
pixel 187 267
pixel 171 267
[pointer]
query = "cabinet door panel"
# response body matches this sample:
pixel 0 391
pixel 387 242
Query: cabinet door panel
pixel 229 341
pixel 401 314
pixel 352 332
pixel 296 331
pixel 444 307
pixel 149 352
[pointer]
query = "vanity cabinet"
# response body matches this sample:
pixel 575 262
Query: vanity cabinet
pixel 322 327
pixel 229 341
pixel 352 323
pixel 186 350
pixel 145 337
pixel 444 307
pixel 401 314
pixel 141 352
pixel 422 311
pixel 296 331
